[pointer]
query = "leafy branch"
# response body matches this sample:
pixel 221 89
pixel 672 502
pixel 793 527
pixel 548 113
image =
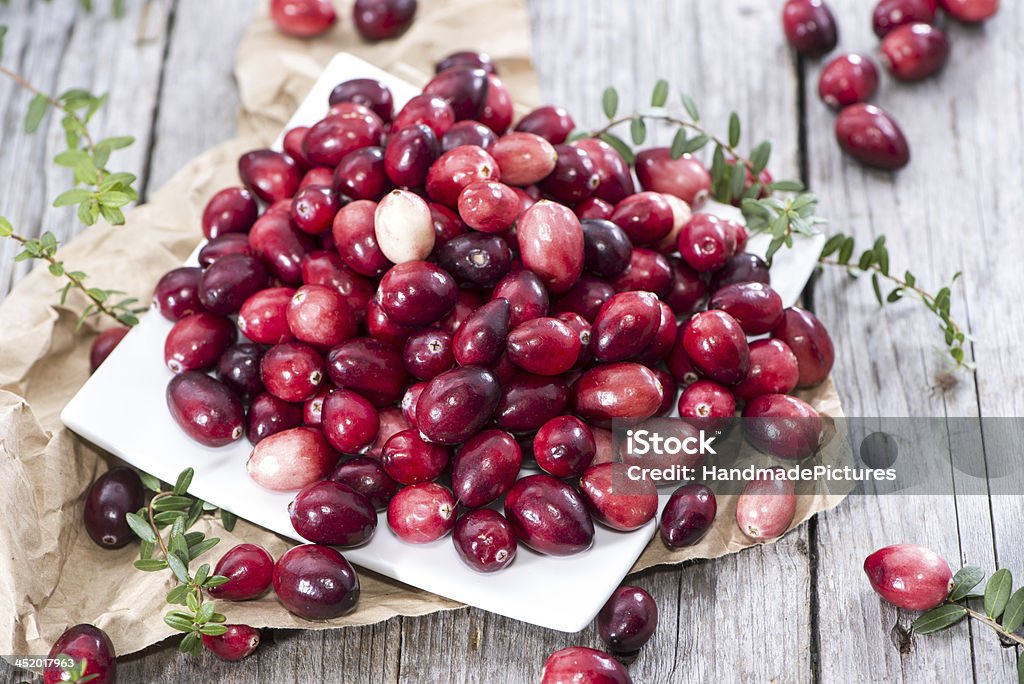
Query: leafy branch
pixel 176 509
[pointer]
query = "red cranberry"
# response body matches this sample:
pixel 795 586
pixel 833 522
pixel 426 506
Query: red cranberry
pixel 205 409
pixel 366 476
pixel 478 60
pixel 328 512
pixel 468 132
pixel 626 325
pixel 808 339
pixel 197 342
pixel 715 343
pixel 249 569
pixel 617 500
pixel 574 177
pixel 409 459
pixel 447 224
pixel 269 415
pixel 909 576
pixel 281 245
pixel 628 620
pixel 350 422
pixel 475 259
pixel 524 158
pixel 303 18
pixel 463 88
pixel 498 109
pixel 593 208
pixel 773 370
pixel 83 643
pixel 368 92
pixel 626 392
pixel 313 209
pixel 456 169
pixel 177 293
pixel 356 239
pixel 291 459
pixel 685 177
pixel 485 468
pixel 232 210
pixel 114 494
pixel 755 306
pixel 549 516
pixel 292 145
pixel 646 217
pixel 292 371
pixel 315 582
pixel 428 353
pixel 361 174
pixel 422 513
pixel 456 404
pixel 585 298
pixel 238 642
pixel 669 388
pixel 970 11
pixel 544 346
pixel 409 155
pixel 409 401
pixel 872 137
pixel 914 51
pixel 528 401
pixel 417 293
pixel 847 80
pixel 228 282
pixel 705 244
pixel 766 506
pixel 392 421
pixel 782 426
pixel 551 123
pixel 889 14
pixel 664 337
pixel 581 328
pixel 330 139
pixel 688 515
pixel 320 175
pixel 484 540
pixel 327 268
pixel 648 270
pixel 222 246
pixel 810 27
pixel 239 369
pixel 270 175
pixel 679 364
pixel 615 181
pixel 489 206
pixel 742 268
pixel 481 339
pixel 425 109
pixel 313 409
pixel 263 316
pixel 385 330
pixel 707 406
pixel 105 343
pixel 564 446
pixel 578 665
pixel 688 290
pixel 551 244
pixel 319 316
pixel 526 296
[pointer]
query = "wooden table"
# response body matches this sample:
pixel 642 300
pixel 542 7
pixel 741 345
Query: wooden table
pixel 797 610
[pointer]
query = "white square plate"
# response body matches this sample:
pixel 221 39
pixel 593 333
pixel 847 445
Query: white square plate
pixel 122 409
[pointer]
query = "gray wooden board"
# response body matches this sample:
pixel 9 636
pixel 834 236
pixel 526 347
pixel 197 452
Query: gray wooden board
pixel 799 610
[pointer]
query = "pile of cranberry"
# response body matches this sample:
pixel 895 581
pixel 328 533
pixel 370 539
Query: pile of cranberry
pixel 913 48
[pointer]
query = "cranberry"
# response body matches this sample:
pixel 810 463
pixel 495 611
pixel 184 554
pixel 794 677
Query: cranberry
pixel 404 227
pixel 783 426
pixel 489 206
pixel 549 516
pixel 361 174
pixel 368 92
pixel 606 248
pixel 315 582
pixel 475 259
pixel 479 60
pixel 647 271
pixel 320 175
pixel 239 369
pixel 579 665
pixel 222 246
pixel 847 80
pixel 328 512
pixel 409 459
pixel 687 516
pixel 114 494
pixel 456 404
pixel 249 569
pixel 564 446
pixel 205 409
pixel 105 343
pixel 269 415
pixel 468 132
pixel 679 364
pixel 330 139
pixel 392 421
pixel 428 353
pixel 909 576
pixel 232 210
pixel 303 18
pixel 456 169
pixel 327 268
pixel 808 339
pixel 914 51
pixel 313 209
pixel 625 326
pixel 773 370
pixel 628 620
pixel 263 316
pixel 810 27
pixel 197 342
pixel 291 459
pixel 485 468
pixel 755 306
pixel 238 642
pixel 615 181
pixel 383 329
pixel 528 401
pixel 685 177
pixel 872 137
pixel 766 506
pixel 425 109
pixel 585 298
pixel 889 14
pixel 417 293
pixel 524 158
pixel 281 246
pixel 543 346
pixel 356 239
pixel 463 88
pixel 422 513
pixel 593 208
pixel 626 392
pixel 83 643
pixel 670 389
pixel 742 268
pixel 313 409
pixel 551 123
pixel 646 217
pixel 366 476
pixel 319 316
pixel 292 371
pixel 664 337
pixel 715 343
pixel 292 145
pixel 617 500
pixel 551 244
pixel 447 224
pixel 705 244
pixel 270 175
pixel 409 154
pixel 350 421
pixel 574 177
pixel 481 339
pixel 497 112
pixel 708 406
pixel 970 11
pixel 229 281
pixel 382 19
pixel 484 540
pixel 526 295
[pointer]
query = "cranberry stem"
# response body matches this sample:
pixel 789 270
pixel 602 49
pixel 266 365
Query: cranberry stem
pixel 981 617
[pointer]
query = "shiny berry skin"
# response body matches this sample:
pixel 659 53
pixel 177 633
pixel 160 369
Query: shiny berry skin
pixel 328 512
pixel 177 293
pixel 426 109
pixel 350 421
pixel 231 210
pixel 616 500
pixel 810 27
pixel 549 516
pixel 528 401
pixel 489 206
pixel 327 269
pixel 361 175
pixel 475 259
pixel 970 11
pixel 708 406
pixel 112 495
pixel 238 642
pixel 564 446
pixel 705 244
pixel 356 239
pixel 477 60
pixel 628 620
pixel 263 316
pixel 383 19
pixel 239 369
pixel 456 169
pixel 303 18
pixel 292 371
pixel 914 51
pixel 468 132
pixel 717 346
pixel 847 80
pixel 222 246
pixel 270 175
pixel 615 181
pixel 368 92
pixel 197 342
pixel 206 410
pixel 463 88
pixel 292 144
pixel 742 268
pixel 625 326
pixel 889 14
pixel 456 404
pixel 574 177
pixel 626 392
pixel 291 459
pixel 664 337
pixel 585 298
pixel 417 293
pixel 422 513
pixel 366 475
pixel 871 136
pixel 228 282
pixel 524 158
pixel 544 346
pixel 685 177
pixel 480 340
pixel 646 217
pixel 392 421
pixel 330 139
pixel 484 540
pixel 773 370
pixel 766 506
pixel 579 665
pixel 551 123
pixel 315 582
pixel 428 353
pixel 249 569
pixel 606 248
pixel 909 576
pixel 409 154
pixel 783 426
pixel 526 295
pixel 688 289
pixel 268 415
pixel 280 245
pixel 408 459
pixel 808 339
pixel 485 468
pixel 88 643
pixel 756 307
pixel 313 209
pixel 687 516
pixel 104 344
pixel 404 227
pixel 551 244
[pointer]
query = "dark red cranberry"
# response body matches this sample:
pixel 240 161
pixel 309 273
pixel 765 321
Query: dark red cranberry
pixel 782 426
pixel 909 576
pixel 232 210
pixel 409 155
pixel 330 139
pixel 356 239
pixel 970 11
pixel 263 316
pixel 484 540
pixel 485 468
pixel 489 206
pixel 417 293
pixel 705 244
pixel 716 344
pixel 585 298
pixel 646 217
pixel 549 516
pixel 383 19
pixel 593 208
pixel 457 168
pixel 366 475
pixel 847 80
pixel 755 306
pixel 447 224
pixel 808 339
pixel 685 177
pixel 526 296
pixel 422 513
pixel 625 326
pixel 688 290
pixel 914 51
pixel 361 175
pixel 409 401
pixel 688 515
pixel 574 177
pixel 524 158
pixel 238 642
pixel 409 459
pixel 463 88
pixel 425 109
pixel 313 409
pixel 205 409
pixel 664 338
pixel 270 175
pixel 249 569
pixel 105 343
pixel 428 353
pixel 313 209
pixel 315 582
pixel 239 369
pixel 90 648
pixel 497 113
pixel 468 132
pixel 222 246
pixel 708 406
pixel 350 422
pixel 889 14
pixel 627 621
pixel 481 339
pixel 582 328
pixel 456 404
pixel 551 123
pixel 626 392
pixel 392 421
pixel 328 512
pixel 742 268
pixel 281 245
pixel 475 259
pixel 197 342
pixel 382 328
pixel 872 137
pixel 467 58
pixel 368 92
pixel 292 145
pixel 370 367
pixel 320 175
pixel 318 315
pixel 617 500
pixel 679 364
pixel 528 401
pixel 615 181
pixel 773 370
pixel 228 282
pixel 292 371
pixel 551 244
pixel 177 293
pixel 606 248
pixel 543 346
pixel 810 27
pixel 579 664
pixel 564 446
pixel 114 494
pixel 648 270
pixel 269 415
pixel 327 268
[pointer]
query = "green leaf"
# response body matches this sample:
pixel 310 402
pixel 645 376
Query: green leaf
pixel 153 565
pixel 610 102
pixel 57 269
pixel 3 33
pixel 939 618
pixel 695 143
pixel 117 142
pixel 205 612
pixel 178 623
pixel 678 148
pixel 215 581
pixel 832 245
pixel 876 286
pixel 909 278
pixel 866 260
pixel 965 579
pixel 228 519
pixel 172 503
pixel 145 550
pixel 213 630
pixel 72 197
pixel 184 481
pixel 759 157
pixel 192 643
pixel 734 130
pixel 1013 616
pixel 114 217
pixel 149 482
pixel 114 198
pixel 178 568
pixel 997 592
pixel 690 106
pixel 191 602
pixel 194 513
pixel 787 186
pixel 201 574
pixel 202 547
pixel 894 296
pixel 846 251
pixel 36 111
pixel 660 95
pixel 718 166
pixel 168 517
pixel 178 595
pixel 620 146
pixel 6 229
pixel 638 130
pixel 738 179
pixel 140 527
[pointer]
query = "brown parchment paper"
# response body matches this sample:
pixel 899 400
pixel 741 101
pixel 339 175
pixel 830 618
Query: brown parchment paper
pixel 51 574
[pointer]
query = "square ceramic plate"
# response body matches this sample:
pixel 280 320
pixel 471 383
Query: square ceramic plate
pixel 122 409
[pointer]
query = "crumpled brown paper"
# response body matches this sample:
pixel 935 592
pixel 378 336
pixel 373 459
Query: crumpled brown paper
pixel 51 573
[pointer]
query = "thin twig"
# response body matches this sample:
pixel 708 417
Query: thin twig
pixel 981 617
